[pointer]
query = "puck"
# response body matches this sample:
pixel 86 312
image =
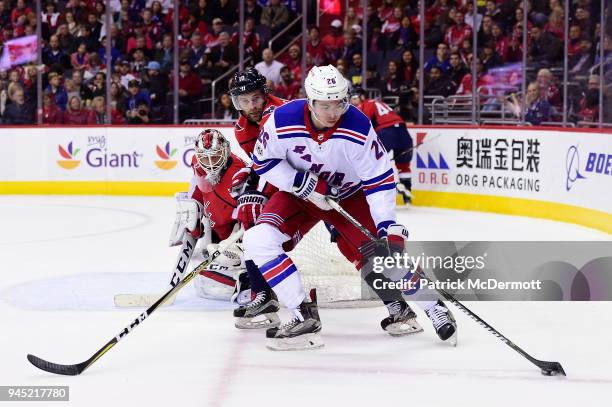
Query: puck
pixel 547 372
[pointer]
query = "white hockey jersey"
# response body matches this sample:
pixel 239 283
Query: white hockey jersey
pixel 348 156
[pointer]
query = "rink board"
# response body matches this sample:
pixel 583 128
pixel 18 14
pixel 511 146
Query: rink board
pixel 552 174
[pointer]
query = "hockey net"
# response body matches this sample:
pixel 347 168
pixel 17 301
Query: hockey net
pixel 322 266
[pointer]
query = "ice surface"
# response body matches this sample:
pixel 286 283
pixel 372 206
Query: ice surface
pixel 62 258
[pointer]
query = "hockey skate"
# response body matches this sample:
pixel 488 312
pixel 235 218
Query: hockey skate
pixel 443 322
pixel 259 313
pixel 301 332
pixel 401 320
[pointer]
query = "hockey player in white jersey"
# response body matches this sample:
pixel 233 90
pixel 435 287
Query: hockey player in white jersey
pixel 313 149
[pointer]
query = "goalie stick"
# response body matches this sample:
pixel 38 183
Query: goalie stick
pixel 547 368
pixel 76 369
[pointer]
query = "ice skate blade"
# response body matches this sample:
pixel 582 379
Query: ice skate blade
pixel 270 320
pixel 453 340
pixel 302 342
pixel 404 328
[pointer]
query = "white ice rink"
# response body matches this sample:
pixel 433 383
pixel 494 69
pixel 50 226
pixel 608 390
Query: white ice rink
pixel 62 258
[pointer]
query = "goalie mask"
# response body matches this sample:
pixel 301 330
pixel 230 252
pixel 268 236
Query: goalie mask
pixel 212 152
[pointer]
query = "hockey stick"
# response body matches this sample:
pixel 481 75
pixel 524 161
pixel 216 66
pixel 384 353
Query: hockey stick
pixel 178 271
pixel 73 370
pixel 547 368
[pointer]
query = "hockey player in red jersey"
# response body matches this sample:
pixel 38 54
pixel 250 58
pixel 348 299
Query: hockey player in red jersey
pixel 251 98
pixel 392 131
pixel 216 193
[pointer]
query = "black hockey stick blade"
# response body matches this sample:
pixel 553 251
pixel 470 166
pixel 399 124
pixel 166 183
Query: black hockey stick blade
pixel 550 368
pixel 68 370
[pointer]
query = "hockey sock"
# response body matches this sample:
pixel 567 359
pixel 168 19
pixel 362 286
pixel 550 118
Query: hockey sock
pixel 281 274
pixel 258 283
pixel 386 295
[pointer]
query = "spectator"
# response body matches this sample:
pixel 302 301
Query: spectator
pixel 574 36
pixel 253 10
pixel 139 62
pixel 350 47
pixel 287 88
pixel 408 38
pixel 436 84
pixel 190 90
pixel 164 54
pixel 489 57
pixel 589 102
pixel 67 41
pixel 118 97
pixel 224 55
pixel 139 41
pixel 392 80
pixel 225 108
pixel 157 84
pixel 390 28
pixel 85 36
pixel 5 15
pixel 486 29
pixel 471 19
pixel 354 72
pixel 458 32
pixel 334 40
pixel 54 57
pixel 212 38
pixel 537 110
pixel 51 113
pixel 95 26
pixel 556 23
pixel 137 96
pixel 269 67
pixel 440 59
pixel 484 82
pixel 71 90
pixel 226 10
pixel 139 115
pixel 71 24
pixel 18 111
pixel 545 48
pixel 98 85
pixel 152 28
pixel 315 47
pixel 275 16
pixel 125 72
pixel 115 54
pixel 581 63
pixel 80 59
pixel 84 92
pixel 548 89
pixel 20 9
pixel 293 60
pixel 501 44
pixel 97 115
pixel 57 90
pixel 350 19
pixel 74 114
pixel 202 11
pixel 493 11
pixel 582 17
pixel 94 66
pixel 50 17
pixel 407 66
pixel 457 70
pixel 251 39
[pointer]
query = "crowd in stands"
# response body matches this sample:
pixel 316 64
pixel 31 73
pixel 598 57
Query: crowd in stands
pixel 74 35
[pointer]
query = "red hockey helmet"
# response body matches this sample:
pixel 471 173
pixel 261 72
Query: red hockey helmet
pixel 212 151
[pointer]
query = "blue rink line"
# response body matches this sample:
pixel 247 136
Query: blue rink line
pixel 95 292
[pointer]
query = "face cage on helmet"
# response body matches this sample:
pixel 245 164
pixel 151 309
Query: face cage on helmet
pixel 205 158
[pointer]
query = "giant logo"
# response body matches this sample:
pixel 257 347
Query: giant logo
pixel 68 155
pixel 165 163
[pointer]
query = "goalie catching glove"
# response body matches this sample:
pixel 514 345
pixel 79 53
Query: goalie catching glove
pixel 308 186
pixel 188 219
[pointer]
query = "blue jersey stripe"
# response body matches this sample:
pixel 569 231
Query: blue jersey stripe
pixel 383 187
pixel 354 140
pixel 379 178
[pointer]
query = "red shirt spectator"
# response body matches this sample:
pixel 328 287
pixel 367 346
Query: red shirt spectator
pixel 316 48
pixel 502 45
pixel 190 85
pixel 251 40
pixel 288 88
pixel 74 114
pixel 20 10
pixel 51 113
pixel 458 32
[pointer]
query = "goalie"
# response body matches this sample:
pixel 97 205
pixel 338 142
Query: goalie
pixel 218 202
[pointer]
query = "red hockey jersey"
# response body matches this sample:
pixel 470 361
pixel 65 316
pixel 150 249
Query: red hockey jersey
pixel 246 132
pixel 380 114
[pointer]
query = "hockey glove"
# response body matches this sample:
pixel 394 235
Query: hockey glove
pixel 250 206
pixel 308 186
pixel 189 213
pixel 239 181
